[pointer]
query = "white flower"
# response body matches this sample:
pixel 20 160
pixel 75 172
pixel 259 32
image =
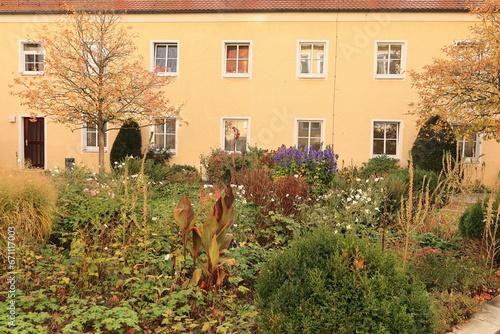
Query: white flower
pixel 207 186
pixel 349 226
pixel 358 180
pixel 235 225
pixel 296 176
pixel 168 256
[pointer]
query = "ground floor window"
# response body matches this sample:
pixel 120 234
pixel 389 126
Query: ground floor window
pixel 386 138
pixel 235 131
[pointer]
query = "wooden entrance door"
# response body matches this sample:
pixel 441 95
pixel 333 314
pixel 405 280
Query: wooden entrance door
pixel 34 145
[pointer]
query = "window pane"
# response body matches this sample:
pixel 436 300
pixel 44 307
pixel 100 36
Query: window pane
pixel 172 65
pixel 231 66
pixel 378 147
pixel 243 66
pixel 396 51
pixel 161 51
pixel 305 64
pixel 315 143
pixel 391 147
pixel 172 51
pixel 303 142
pixel 378 130
pixel 160 63
pixel 395 67
pixel 243 51
pixel 159 141
pixel 319 49
pixel 231 51
pixel 170 141
pixel 315 129
pixel 383 51
pixel 391 130
pixel 303 129
pixel 170 126
pixel 306 48
pixel 91 139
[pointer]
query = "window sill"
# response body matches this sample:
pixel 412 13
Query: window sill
pixel 93 150
pixel 236 75
pixel 167 74
pixel 311 76
pixel 32 73
pixel 389 77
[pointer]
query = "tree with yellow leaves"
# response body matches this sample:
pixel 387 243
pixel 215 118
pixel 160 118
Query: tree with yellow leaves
pixel 463 89
pixel 92 76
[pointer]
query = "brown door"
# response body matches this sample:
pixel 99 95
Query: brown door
pixel 34 146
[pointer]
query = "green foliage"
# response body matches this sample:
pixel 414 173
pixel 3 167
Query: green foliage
pixel 435 138
pixel 454 308
pixel 128 143
pixel 446 271
pixel 380 165
pixel 212 237
pixel 219 165
pixel 328 282
pixel 473 220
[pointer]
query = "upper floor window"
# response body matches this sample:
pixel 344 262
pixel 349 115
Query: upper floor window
pixel 312 59
pixel 237 59
pixel 386 138
pixel 470 148
pixel 235 134
pixel 390 62
pixel 166 57
pixel 32 58
pixel 90 138
pixel 164 132
pixel 310 133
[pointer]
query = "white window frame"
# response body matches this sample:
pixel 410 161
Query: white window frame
pixel 92 149
pixel 153 132
pixel 399 139
pixel 476 158
pixel 404 48
pixel 22 59
pixel 296 130
pixel 299 60
pixel 226 74
pixel 223 132
pixel 153 56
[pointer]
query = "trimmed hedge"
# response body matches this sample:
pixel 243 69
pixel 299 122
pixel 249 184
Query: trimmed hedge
pixel 334 283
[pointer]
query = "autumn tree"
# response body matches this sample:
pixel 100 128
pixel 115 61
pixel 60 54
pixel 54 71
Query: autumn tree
pixel 463 88
pixel 93 76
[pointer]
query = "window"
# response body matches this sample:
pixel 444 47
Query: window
pixel 309 133
pixel 470 148
pixel 236 59
pixel 390 60
pixel 166 55
pixel 32 58
pixel 386 138
pixel 231 128
pixel 312 59
pixel 90 138
pixel 164 131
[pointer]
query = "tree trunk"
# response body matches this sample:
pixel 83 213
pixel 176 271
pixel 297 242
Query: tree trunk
pixel 101 133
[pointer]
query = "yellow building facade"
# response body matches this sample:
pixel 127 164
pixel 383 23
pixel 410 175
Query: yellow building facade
pixel 282 78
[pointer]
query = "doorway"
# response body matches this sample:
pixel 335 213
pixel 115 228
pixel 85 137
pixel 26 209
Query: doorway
pixel 34 144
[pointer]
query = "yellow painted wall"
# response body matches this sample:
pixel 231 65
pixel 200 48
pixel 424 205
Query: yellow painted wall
pixel 272 98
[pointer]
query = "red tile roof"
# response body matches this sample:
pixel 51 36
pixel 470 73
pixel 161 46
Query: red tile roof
pixel 9 6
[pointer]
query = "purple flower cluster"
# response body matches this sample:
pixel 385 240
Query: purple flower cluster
pixel 315 165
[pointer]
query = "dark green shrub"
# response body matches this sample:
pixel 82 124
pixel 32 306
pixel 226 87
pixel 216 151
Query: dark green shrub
pixel 472 221
pixel 128 142
pixel 379 166
pixel 334 283
pixel 434 139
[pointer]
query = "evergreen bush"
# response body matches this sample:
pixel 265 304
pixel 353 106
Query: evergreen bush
pixel 434 139
pixel 128 142
pixel 472 221
pixel 379 166
pixel 335 283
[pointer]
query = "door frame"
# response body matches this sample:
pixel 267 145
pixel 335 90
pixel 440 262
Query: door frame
pixel 21 151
